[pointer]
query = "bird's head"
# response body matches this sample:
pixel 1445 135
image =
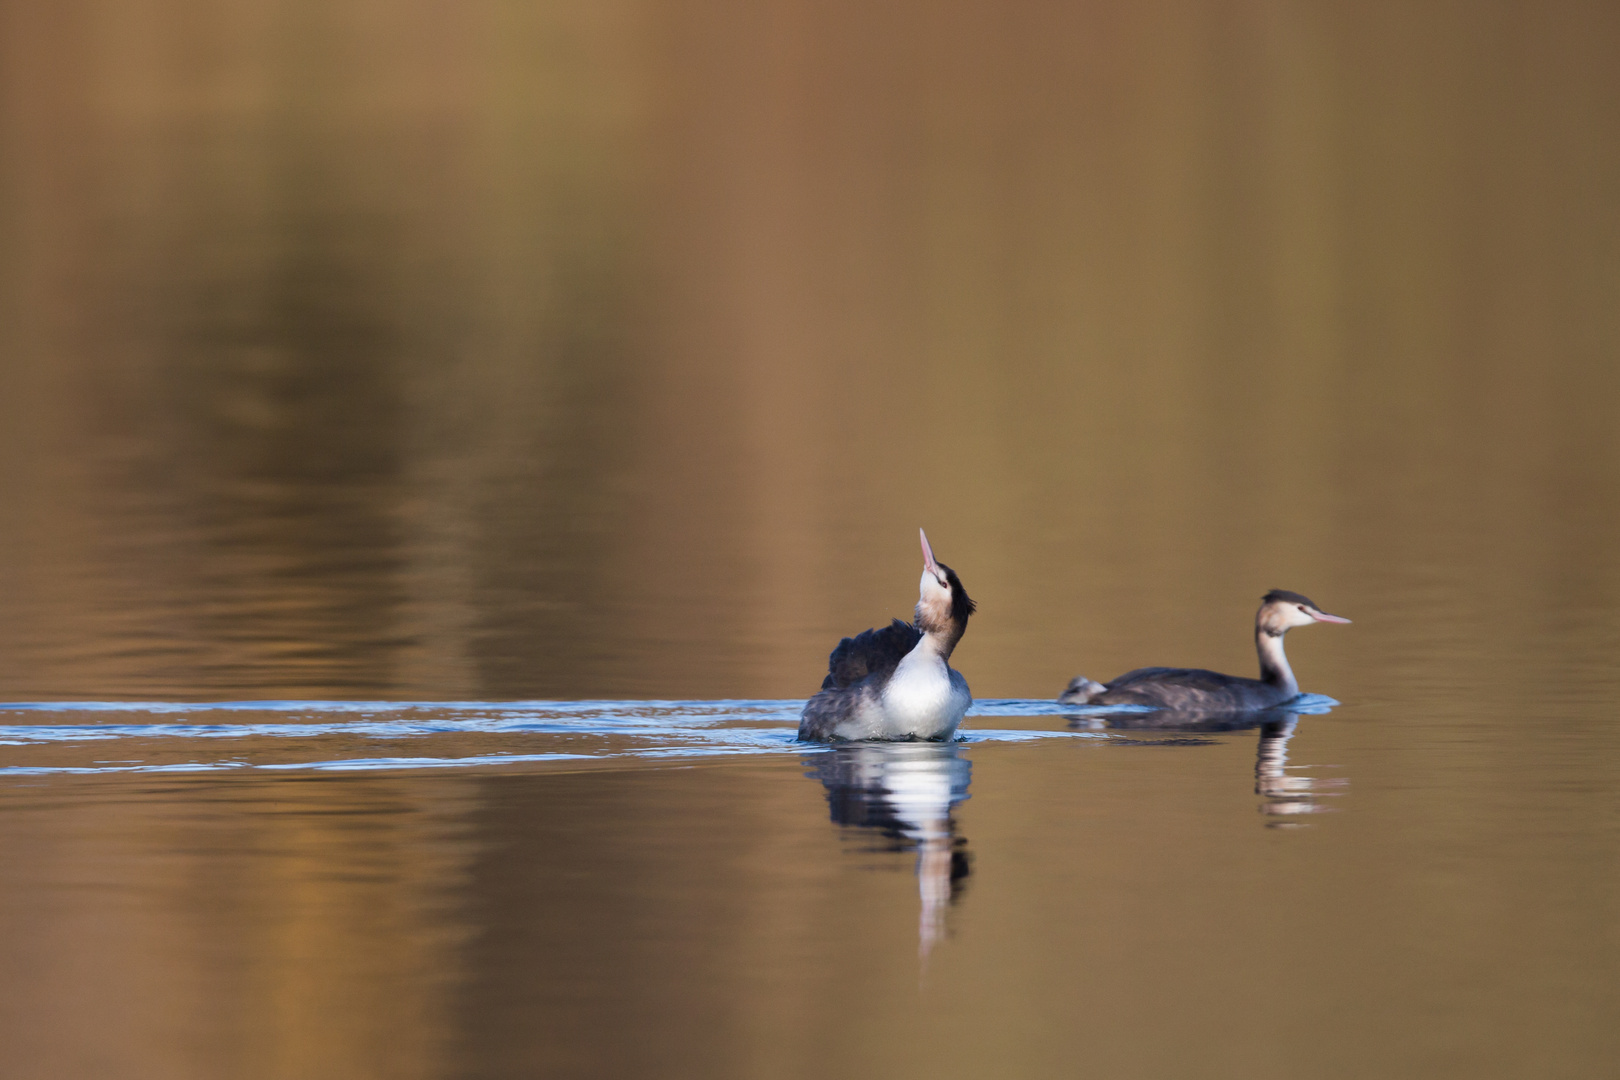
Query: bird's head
pixel 1281 611
pixel 943 605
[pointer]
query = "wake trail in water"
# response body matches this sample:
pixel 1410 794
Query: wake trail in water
pixel 92 738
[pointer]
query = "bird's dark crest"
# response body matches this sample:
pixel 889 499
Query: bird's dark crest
pixel 961 605
pixel 1286 597
pixel 869 652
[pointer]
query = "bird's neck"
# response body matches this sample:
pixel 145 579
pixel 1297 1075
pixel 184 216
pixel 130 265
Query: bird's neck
pixel 1274 668
pixel 938 640
pixel 1271 760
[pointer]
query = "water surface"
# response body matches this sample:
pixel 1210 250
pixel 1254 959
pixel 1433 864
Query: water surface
pixel 503 409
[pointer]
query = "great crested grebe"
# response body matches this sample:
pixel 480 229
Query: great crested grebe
pixel 897 682
pixel 1195 690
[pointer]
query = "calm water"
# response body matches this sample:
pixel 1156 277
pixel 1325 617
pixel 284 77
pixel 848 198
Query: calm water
pixel 440 444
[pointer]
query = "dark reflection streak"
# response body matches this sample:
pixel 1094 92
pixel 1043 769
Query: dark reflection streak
pixel 292 410
pixel 906 792
pixel 555 525
pixel 246 486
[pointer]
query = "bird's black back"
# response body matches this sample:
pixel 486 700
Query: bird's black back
pixel 877 651
pixel 1188 678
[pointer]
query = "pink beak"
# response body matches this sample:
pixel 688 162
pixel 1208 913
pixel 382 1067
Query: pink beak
pixel 1322 616
pixel 928 555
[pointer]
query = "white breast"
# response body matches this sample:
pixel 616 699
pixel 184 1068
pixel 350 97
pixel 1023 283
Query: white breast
pixel 924 699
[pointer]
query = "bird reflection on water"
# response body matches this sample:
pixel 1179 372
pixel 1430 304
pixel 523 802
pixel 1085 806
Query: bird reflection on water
pixel 1283 796
pixel 905 793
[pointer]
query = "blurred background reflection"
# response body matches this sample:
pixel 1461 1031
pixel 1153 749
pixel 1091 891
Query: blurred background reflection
pixel 611 349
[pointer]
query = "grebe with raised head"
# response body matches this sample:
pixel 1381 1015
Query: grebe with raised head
pixel 1196 690
pixel 897 682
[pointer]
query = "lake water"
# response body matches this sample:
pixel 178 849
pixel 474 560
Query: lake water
pixel 439 446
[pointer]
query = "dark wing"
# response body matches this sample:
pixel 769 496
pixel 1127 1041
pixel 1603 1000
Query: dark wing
pixel 873 652
pixel 824 712
pixel 1186 689
pixel 1190 678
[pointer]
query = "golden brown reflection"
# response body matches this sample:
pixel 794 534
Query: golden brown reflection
pixel 244 929
pixel 705 922
pixel 615 349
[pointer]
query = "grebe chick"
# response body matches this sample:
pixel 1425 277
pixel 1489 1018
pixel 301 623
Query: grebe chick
pixel 1195 690
pixel 897 682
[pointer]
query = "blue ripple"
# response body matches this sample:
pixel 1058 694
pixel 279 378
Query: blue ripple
pixel 506 733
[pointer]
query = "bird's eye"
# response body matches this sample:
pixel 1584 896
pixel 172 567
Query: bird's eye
pixel 1302 608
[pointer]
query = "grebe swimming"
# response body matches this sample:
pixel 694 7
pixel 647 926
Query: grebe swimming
pixel 1196 690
